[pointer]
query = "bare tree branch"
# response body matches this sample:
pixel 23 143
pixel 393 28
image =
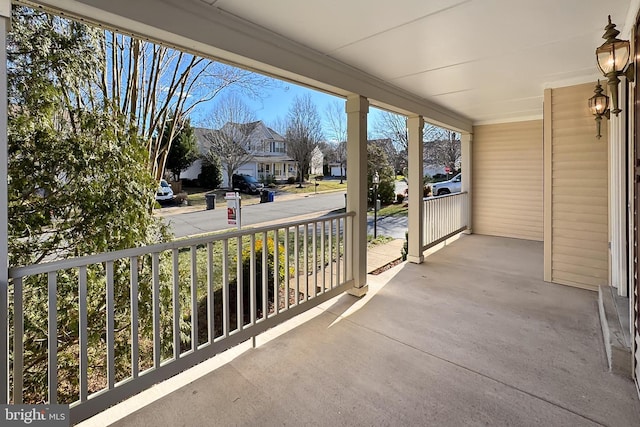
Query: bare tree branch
pixel 229 136
pixel 303 133
pixel 445 151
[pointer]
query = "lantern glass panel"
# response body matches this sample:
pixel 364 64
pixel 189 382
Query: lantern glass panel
pixel 613 56
pixel 598 104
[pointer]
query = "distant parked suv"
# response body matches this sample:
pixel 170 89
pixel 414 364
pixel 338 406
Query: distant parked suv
pixel 246 184
pixel 454 185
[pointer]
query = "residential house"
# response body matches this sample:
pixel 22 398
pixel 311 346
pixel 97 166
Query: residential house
pixel 268 148
pixel 317 162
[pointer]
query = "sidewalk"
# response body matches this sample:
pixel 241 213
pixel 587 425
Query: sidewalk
pixel 381 255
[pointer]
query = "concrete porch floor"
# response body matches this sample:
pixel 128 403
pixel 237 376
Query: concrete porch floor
pixel 473 336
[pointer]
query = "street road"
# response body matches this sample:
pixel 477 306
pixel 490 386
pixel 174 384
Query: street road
pixel 205 221
pixel 392 226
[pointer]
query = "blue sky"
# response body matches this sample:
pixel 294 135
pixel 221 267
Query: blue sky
pixel 276 101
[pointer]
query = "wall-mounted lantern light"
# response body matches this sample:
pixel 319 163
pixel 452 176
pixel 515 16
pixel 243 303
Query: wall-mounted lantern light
pixel 613 61
pixel 599 106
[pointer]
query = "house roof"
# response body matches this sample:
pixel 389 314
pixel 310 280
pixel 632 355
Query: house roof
pixel 258 133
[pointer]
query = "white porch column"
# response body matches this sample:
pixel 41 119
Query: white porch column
pixel 5 18
pixel 466 139
pixel 357 108
pixel 415 125
pixel 617 203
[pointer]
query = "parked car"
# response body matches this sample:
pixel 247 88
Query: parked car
pixel 164 192
pixel 454 185
pixel 246 184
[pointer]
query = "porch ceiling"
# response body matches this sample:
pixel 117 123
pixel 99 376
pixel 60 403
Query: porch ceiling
pixel 456 62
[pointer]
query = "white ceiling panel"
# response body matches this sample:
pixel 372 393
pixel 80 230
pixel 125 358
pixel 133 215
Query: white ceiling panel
pixel 455 61
pixel 332 24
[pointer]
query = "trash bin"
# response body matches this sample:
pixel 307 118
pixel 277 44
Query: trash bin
pixel 272 196
pixel 211 200
pixel 264 196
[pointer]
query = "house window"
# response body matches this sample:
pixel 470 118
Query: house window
pixel 277 147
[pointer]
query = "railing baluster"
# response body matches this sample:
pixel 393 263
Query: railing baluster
pixel 111 356
pixel 331 256
pixel 430 221
pixel 276 272
pixel 135 349
pixel 210 294
pixel 306 261
pixel 338 252
pixel 348 235
pixel 432 218
pixel 155 268
pixel 52 331
pixel 296 256
pixel 448 218
pixel 426 222
pixel 442 229
pixel 18 341
pixel 265 277
pixel 194 298
pixel 225 288
pixel 451 218
pixel 239 287
pixel 252 278
pixel 286 268
pixel 175 254
pixel 322 256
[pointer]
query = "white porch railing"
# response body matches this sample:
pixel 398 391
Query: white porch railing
pixel 444 217
pixel 145 314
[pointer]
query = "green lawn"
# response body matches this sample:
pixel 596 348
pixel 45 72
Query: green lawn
pixel 310 186
pixel 196 196
pixel 380 240
pixel 394 210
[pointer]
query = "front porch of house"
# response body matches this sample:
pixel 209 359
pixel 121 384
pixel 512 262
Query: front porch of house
pixel 475 333
pixel 471 336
